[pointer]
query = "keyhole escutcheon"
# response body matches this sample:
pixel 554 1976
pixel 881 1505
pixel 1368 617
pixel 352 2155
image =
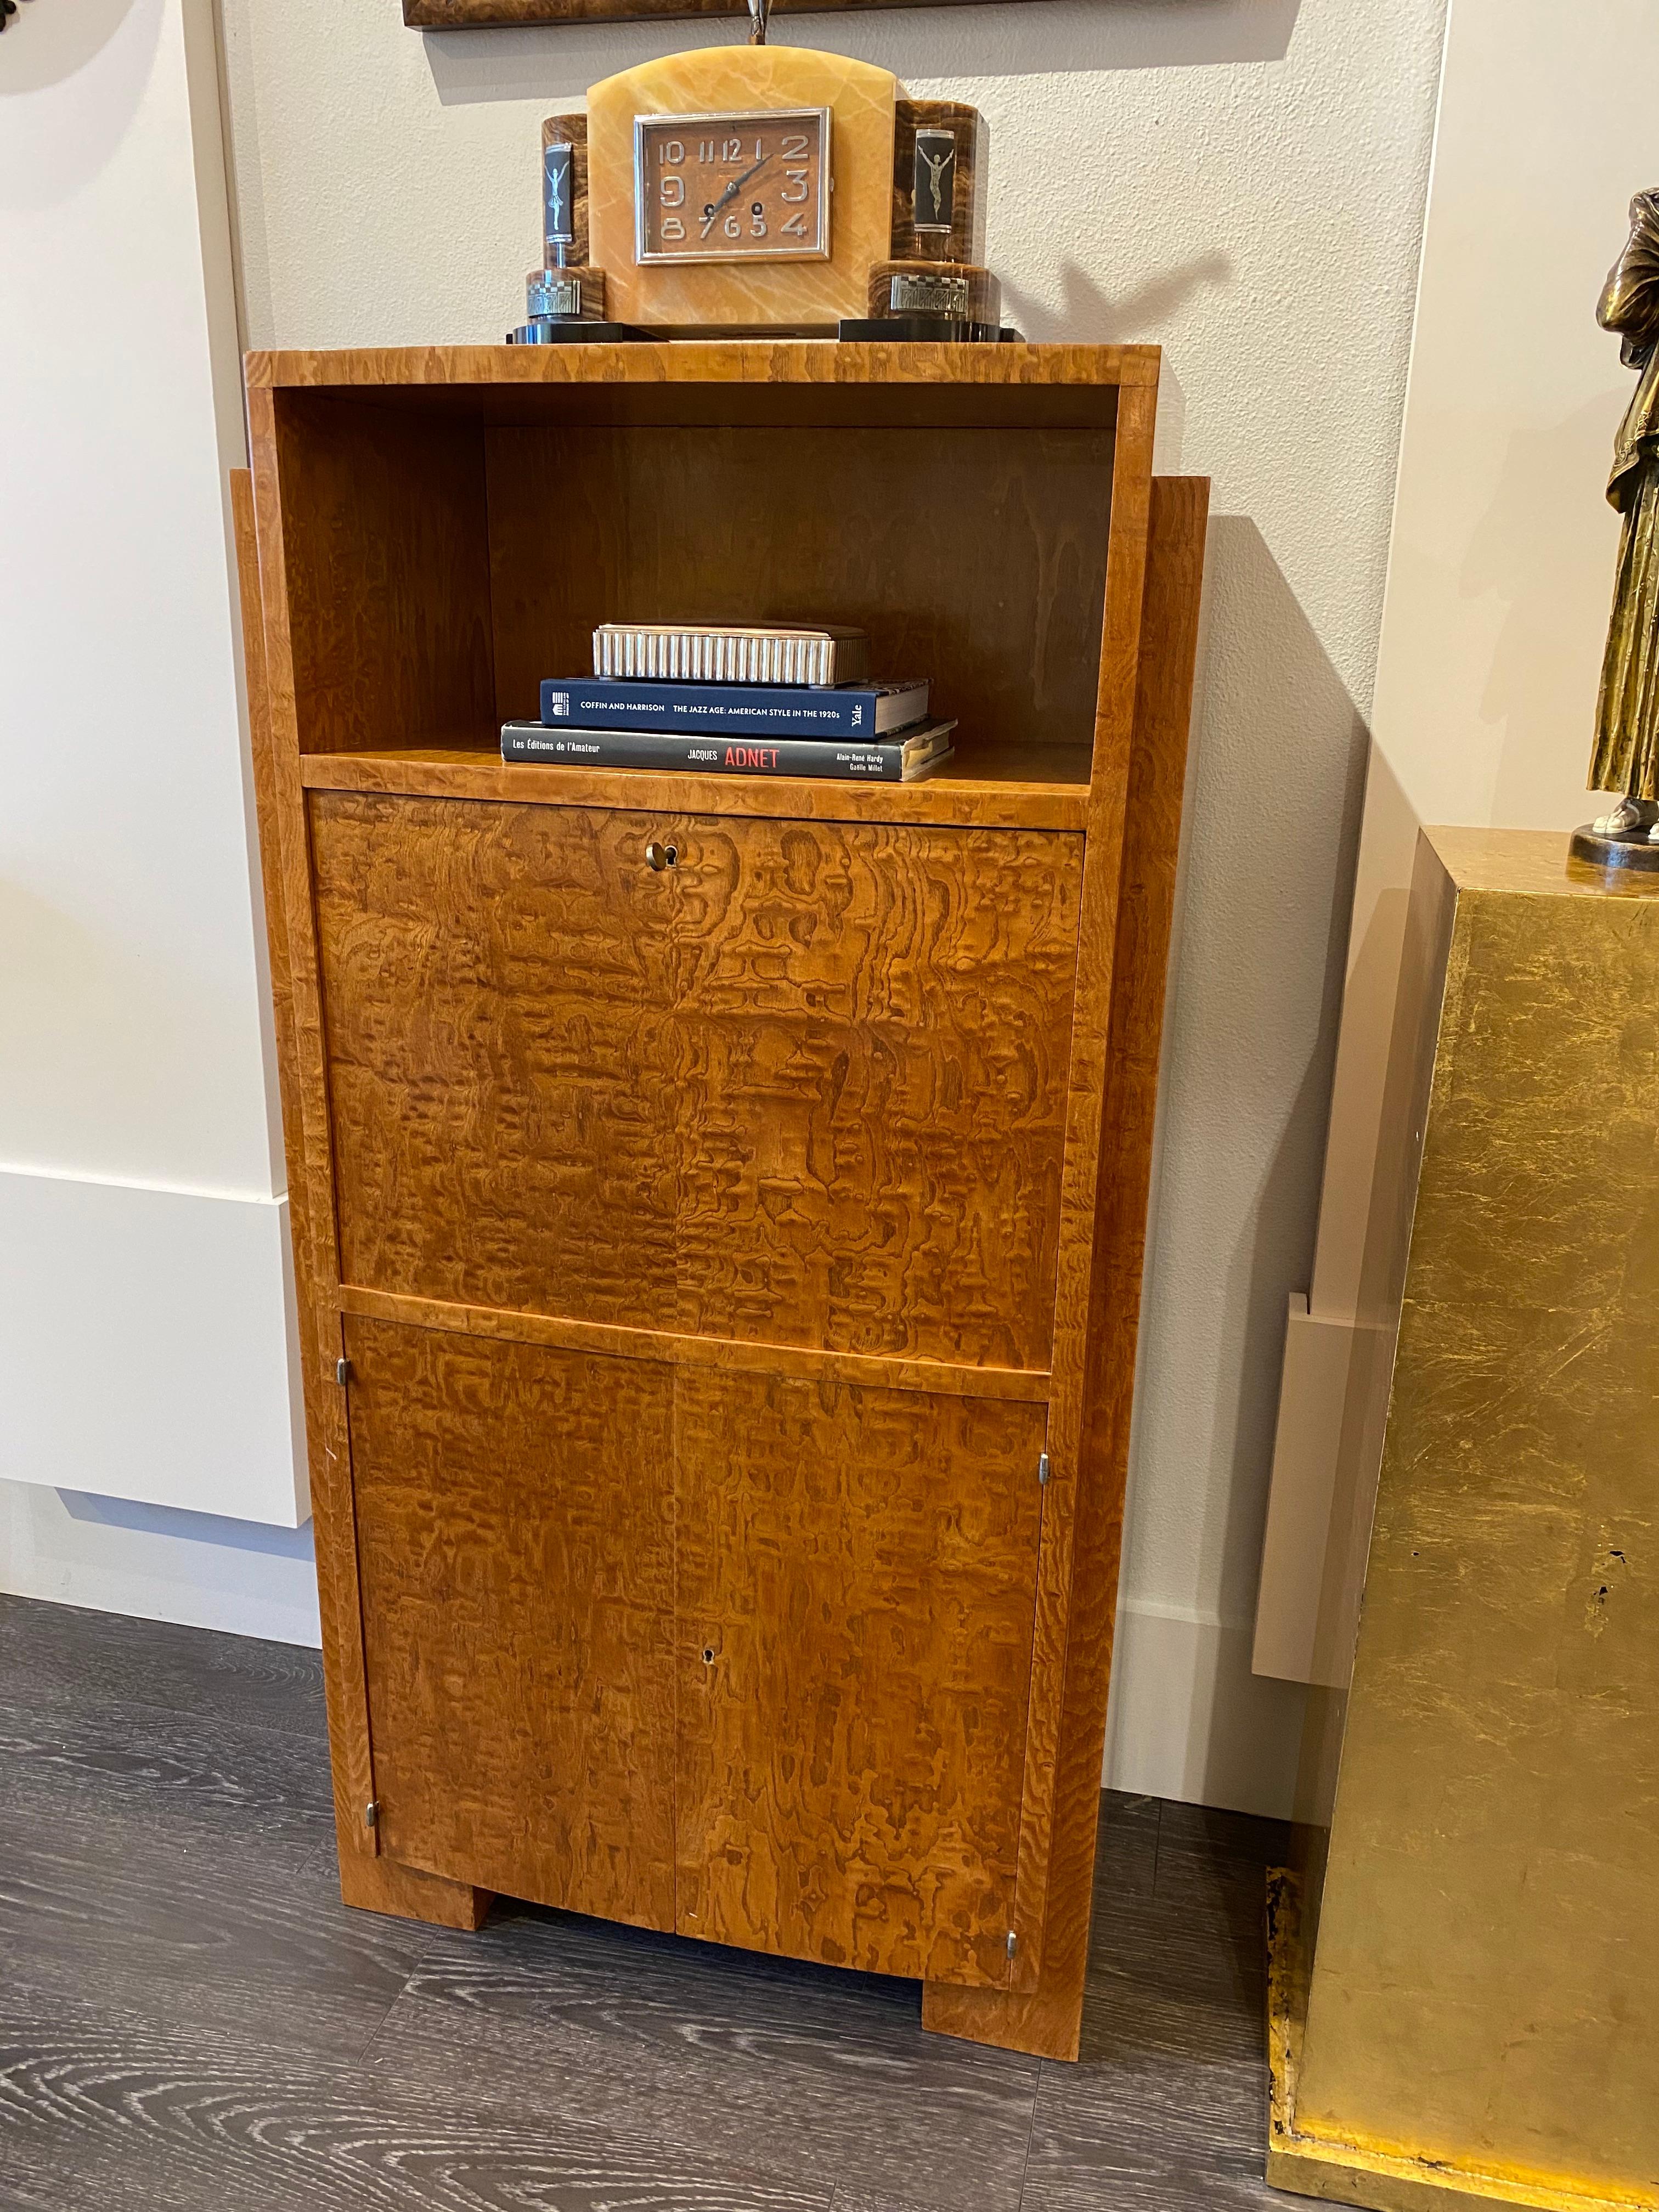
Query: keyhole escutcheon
pixel 661 856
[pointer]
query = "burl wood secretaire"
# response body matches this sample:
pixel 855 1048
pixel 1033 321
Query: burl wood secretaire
pixel 719 1280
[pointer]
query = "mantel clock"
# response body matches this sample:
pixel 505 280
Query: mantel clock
pixel 761 190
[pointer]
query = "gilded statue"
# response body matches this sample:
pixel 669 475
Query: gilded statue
pixel 1626 756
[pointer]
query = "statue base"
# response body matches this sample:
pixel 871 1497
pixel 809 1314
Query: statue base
pixel 1629 849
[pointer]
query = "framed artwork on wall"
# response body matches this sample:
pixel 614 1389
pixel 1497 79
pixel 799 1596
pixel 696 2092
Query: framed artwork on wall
pixel 483 14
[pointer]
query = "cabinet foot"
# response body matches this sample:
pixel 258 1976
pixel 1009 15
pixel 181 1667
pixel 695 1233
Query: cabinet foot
pixel 1045 2021
pixel 380 1885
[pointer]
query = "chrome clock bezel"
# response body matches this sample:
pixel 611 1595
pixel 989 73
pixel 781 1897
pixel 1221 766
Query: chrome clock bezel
pixel 824 117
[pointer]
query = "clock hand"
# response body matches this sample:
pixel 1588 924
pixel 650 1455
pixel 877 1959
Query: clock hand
pixel 731 191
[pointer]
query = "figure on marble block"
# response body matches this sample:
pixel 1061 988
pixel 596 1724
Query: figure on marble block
pixel 1626 756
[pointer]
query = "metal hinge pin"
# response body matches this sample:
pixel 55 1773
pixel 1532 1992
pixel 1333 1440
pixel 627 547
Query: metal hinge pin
pixel 372 1814
pixel 1042 1467
pixel 1013 1942
pixel 343 1370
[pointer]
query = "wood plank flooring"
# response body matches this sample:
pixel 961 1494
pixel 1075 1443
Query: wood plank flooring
pixel 189 2017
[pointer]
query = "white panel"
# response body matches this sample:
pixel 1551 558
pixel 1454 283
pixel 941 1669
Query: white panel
pixel 145 1348
pixel 130 1009
pixel 144 1334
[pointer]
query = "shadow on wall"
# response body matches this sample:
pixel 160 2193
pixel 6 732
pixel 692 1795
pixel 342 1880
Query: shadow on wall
pixel 111 1555
pixel 1054 37
pixel 1088 316
pixel 215 1528
pixel 49 148
pixel 1271 834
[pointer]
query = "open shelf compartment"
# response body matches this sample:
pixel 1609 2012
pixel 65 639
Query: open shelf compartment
pixel 451 539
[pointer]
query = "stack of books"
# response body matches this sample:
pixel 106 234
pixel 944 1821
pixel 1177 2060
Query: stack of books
pixel 770 700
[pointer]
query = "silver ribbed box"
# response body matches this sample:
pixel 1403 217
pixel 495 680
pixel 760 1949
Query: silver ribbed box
pixel 693 653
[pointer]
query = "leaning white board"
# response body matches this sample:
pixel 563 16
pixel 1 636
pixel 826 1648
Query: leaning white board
pixel 145 1331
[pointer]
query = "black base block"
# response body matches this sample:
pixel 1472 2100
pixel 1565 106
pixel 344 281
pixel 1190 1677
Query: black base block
pixel 922 330
pixel 569 330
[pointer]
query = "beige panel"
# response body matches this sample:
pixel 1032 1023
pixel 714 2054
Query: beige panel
pixel 1312 1393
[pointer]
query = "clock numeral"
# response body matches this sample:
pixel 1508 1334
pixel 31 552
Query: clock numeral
pixel 705 150
pixel 670 154
pixel 758 226
pixel 731 150
pixel 673 191
pixel 796 226
pixel 795 176
pixel 794 145
pixel 672 227
pixel 731 227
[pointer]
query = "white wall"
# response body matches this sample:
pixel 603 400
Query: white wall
pixel 1499 584
pixel 144 1321
pixel 1243 181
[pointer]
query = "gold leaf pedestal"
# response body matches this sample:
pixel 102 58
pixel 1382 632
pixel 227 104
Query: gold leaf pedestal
pixel 1466 1967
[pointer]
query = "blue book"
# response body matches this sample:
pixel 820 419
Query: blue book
pixel 859 711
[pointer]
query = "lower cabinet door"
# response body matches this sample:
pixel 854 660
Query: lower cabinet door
pixel 515 1542
pixel 857 1595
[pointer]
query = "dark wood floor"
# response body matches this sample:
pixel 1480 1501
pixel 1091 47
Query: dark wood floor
pixel 190 2018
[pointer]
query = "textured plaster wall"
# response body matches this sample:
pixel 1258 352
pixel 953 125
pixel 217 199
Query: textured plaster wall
pixel 1242 181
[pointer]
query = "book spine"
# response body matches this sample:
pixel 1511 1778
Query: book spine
pixel 702 755
pixel 724 709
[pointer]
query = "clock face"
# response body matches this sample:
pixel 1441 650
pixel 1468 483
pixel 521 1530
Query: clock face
pixel 732 187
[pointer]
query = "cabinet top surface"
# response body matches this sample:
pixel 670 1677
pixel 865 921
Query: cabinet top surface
pixel 733 381
pixel 728 360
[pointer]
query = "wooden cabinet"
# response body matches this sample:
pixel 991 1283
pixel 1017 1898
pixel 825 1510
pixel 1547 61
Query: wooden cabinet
pixel 719 1280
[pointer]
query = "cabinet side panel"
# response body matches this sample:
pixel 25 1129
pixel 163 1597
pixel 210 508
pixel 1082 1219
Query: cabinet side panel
pixel 285 853
pixel 872 1035
pixel 515 1528
pixel 1069 1722
pixel 386 545
pixel 857 1576
pixel 494 980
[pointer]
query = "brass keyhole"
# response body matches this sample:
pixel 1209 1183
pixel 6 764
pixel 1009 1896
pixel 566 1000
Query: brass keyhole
pixel 661 856
pixel 708 1655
